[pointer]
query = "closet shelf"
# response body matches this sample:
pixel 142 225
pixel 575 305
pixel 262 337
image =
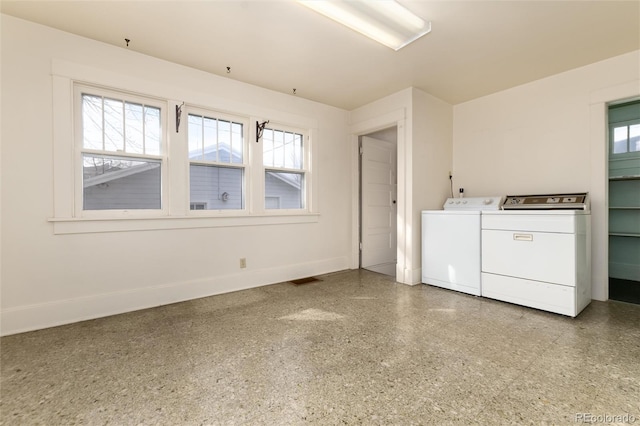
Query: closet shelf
pixel 624 234
pixel 630 177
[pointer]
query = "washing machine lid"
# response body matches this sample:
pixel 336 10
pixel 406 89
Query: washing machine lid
pixel 473 203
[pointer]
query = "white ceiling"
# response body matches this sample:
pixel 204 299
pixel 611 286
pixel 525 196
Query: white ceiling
pixel 475 48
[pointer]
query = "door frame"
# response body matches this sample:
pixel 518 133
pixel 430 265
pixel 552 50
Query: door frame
pixel 394 118
pixel 361 151
pixel 599 102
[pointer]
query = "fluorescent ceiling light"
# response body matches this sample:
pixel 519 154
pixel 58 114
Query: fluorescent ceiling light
pixel 384 21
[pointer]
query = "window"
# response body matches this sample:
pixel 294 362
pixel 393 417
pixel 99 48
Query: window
pixel 121 157
pixel 197 206
pixel 121 149
pixel 285 170
pixel 216 162
pixel 626 138
pixel 624 128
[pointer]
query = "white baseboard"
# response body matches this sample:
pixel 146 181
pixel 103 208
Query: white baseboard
pixel 385 269
pixel 59 312
pixel 412 276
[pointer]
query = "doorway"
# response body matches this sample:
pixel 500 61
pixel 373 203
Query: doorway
pixel 624 201
pixel 378 201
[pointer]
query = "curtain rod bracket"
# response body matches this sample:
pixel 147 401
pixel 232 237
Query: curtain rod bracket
pixel 260 129
pixel 178 114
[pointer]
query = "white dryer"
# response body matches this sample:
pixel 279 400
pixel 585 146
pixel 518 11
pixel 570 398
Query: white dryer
pixel 451 243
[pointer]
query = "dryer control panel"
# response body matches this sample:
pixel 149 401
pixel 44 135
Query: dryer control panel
pixel 577 201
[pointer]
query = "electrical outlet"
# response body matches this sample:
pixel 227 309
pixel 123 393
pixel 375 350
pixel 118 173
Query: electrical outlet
pixel 243 262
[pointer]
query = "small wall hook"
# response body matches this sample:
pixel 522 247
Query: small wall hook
pixel 228 70
pixel 260 129
pixel 127 40
pixel 294 90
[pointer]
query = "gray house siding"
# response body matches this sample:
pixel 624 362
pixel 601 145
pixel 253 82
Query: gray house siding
pixel 217 188
pixel 287 196
pixel 136 191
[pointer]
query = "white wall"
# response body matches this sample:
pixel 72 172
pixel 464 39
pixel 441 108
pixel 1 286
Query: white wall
pixel 544 137
pixel 432 159
pixel 50 279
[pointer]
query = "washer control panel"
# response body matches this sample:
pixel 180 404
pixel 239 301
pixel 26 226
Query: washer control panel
pixel 473 203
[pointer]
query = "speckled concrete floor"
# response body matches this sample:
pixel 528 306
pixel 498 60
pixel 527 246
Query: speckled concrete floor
pixel 355 348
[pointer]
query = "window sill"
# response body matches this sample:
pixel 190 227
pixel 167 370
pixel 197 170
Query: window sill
pixel 63 226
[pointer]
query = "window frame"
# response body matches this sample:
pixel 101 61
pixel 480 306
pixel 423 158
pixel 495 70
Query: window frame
pixel 80 89
pixel 305 170
pixel 245 165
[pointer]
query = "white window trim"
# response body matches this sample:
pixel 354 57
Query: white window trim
pixel 65 75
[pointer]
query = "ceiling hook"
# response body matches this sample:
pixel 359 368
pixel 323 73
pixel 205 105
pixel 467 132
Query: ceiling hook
pixel 127 40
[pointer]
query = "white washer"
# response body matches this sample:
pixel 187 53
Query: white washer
pixel 451 243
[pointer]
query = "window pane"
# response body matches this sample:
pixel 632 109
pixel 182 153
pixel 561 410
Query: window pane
pixel 237 142
pixel 120 183
pixel 92 122
pixel 152 131
pixel 133 128
pixel 210 139
pixel 634 138
pixel 224 141
pixel 113 125
pixel 278 148
pixel 282 149
pixel 284 190
pixel 267 147
pixel 299 163
pixel 289 154
pixel 216 188
pixel 619 140
pixel 195 137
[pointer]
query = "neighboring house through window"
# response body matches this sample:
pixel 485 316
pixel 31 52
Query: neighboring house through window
pixel 285 169
pixel 216 156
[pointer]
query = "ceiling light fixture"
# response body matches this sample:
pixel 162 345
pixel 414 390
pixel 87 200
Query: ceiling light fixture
pixel 385 21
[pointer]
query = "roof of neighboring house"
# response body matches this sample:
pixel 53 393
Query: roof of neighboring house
pixel 112 171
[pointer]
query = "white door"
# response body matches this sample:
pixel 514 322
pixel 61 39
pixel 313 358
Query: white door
pixel 378 206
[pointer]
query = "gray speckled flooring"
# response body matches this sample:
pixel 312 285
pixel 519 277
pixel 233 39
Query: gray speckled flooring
pixel 355 348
